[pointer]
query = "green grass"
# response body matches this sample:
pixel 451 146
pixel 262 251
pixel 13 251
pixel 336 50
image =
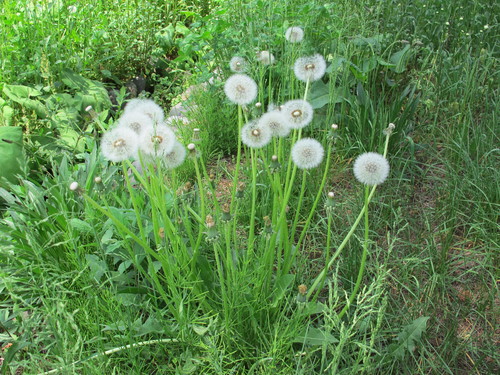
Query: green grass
pixel 111 266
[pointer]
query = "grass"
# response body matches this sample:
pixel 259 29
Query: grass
pixel 127 272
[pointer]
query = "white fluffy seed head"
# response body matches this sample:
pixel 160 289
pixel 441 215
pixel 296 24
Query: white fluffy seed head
pixel 294 34
pixel 254 135
pixel 147 107
pixel 265 57
pixel 298 113
pixel 238 64
pixel 119 144
pixel 136 121
pixel 371 168
pixel 276 122
pixel 310 68
pixel 307 153
pixel 157 141
pixel 175 157
pixel 240 89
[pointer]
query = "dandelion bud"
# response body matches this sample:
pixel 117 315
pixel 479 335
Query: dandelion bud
pixel 74 186
pixel 301 297
pixel 302 289
pixel 268 230
pixel 335 126
pixel 161 232
pixel 192 150
pixel 275 164
pixel 240 191
pixel 212 234
pixel 98 180
pixel 91 112
pixel 330 204
pixel 258 105
pixel 226 214
pixel 196 135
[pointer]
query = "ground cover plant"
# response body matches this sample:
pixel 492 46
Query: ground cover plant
pixel 323 198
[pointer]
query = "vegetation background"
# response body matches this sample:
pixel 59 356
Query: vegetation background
pixel 430 301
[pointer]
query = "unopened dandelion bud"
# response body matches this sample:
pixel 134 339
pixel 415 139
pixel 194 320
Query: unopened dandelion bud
pixel 226 214
pixel 91 112
pixel 74 186
pixel 192 150
pixel 301 297
pixel 268 230
pixel 212 233
pixel 302 289
pixel 258 105
pixel 97 180
pixel 275 164
pixel 196 135
pixel 240 191
pixel 161 232
pixel 330 203
pixel 335 126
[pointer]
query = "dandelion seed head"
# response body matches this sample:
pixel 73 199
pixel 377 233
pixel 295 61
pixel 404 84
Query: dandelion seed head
pixel 265 57
pixel 175 157
pixel 371 168
pixel 307 153
pixel 157 141
pixel 254 135
pixel 147 107
pixel 276 122
pixel 238 64
pixel 240 89
pixel 310 68
pixel 136 121
pixel 294 34
pixel 298 113
pixel 119 144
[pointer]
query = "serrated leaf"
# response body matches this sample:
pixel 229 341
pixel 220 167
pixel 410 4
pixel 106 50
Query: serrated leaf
pixel 408 337
pixel 315 336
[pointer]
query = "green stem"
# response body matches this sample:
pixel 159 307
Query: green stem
pixel 363 259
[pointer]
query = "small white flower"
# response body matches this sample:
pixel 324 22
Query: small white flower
pixel 136 121
pixel 276 122
pixel 175 157
pixel 254 135
pixel 310 68
pixel 240 89
pixel 146 106
pixel 299 113
pixel 307 153
pixel 119 144
pixel 157 141
pixel 294 34
pixel 238 64
pixel 371 168
pixel 265 57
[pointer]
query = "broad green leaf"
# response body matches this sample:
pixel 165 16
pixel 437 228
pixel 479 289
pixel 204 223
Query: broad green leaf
pixel 97 266
pixel 408 337
pixel 314 336
pixel 7 115
pixel 22 95
pixel 400 59
pixel 11 152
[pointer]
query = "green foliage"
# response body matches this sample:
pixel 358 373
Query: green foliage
pixel 11 153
